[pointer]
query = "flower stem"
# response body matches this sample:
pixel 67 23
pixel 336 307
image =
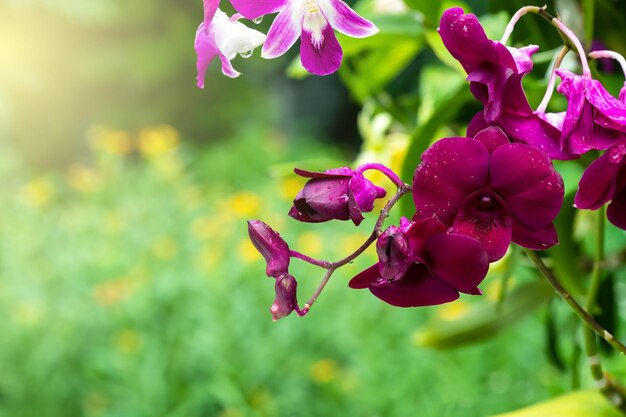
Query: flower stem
pixel 312 261
pixel 517 16
pixel 571 37
pixel 387 171
pixel 580 312
pixel 592 296
pixel 333 266
pixel 557 63
pixel 610 54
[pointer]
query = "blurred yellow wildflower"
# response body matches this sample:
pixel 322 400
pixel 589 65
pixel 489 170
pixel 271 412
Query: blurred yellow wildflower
pixel 83 179
pixel 38 192
pixel 113 221
pixel 260 399
pixel 159 140
pixel 311 243
pixel 113 291
pixel 244 204
pixel 453 311
pixel 323 371
pixel 247 251
pixel 209 257
pixel 127 341
pixel 26 313
pixel 290 186
pixel 165 248
pixel 208 227
pixel 111 142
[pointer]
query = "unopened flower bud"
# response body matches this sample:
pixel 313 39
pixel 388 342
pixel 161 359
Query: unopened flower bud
pixel 285 301
pixel 273 248
pixel 394 253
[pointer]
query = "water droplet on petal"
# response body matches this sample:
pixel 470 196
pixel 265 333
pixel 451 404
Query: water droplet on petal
pixel 246 54
pixel 258 20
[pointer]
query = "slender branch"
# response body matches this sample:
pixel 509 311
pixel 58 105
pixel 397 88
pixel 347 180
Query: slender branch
pixel 380 167
pixel 312 261
pixel 333 266
pixel 580 312
pixel 550 89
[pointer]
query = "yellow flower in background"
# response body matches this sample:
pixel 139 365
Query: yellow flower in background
pixel 211 227
pixel 165 248
pixel 38 192
pixel 111 142
pixel 291 186
pixel 26 313
pixel 83 179
pixel 209 258
pixel 247 252
pixel 244 204
pixel 310 243
pixel 116 290
pixel 323 371
pixel 453 311
pixel 156 141
pixel 128 341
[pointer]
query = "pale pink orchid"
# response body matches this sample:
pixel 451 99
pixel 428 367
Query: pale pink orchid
pixel 314 21
pixel 224 37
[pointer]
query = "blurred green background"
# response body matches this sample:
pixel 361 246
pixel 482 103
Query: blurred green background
pixel 128 287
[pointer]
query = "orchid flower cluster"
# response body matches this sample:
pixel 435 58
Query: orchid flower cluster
pixel 473 195
pixel 312 21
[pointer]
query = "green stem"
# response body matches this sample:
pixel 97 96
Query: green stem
pixel 591 347
pixel 580 312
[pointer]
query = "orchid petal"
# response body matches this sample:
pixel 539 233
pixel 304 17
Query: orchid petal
pixel 206 51
pixel 320 51
pixel 458 260
pixel 417 288
pixel 616 211
pixel 526 180
pixel 210 7
pixel 534 239
pixel 252 9
pixel 451 169
pixel 283 33
pixel 342 18
pixel 598 183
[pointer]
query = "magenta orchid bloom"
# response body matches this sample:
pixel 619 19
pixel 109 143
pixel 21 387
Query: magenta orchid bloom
pixel 495 72
pixel 594 118
pixel 223 37
pixel 603 181
pixel 314 21
pixel 422 265
pixel 490 189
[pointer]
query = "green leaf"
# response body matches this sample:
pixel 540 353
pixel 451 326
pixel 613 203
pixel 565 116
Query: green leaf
pixel 431 9
pixel 484 320
pixel 576 404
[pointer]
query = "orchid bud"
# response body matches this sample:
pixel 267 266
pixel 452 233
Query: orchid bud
pixel 285 301
pixel 394 253
pixel 340 194
pixel 273 248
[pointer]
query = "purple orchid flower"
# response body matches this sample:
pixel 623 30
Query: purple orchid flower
pixel 495 72
pixel 223 37
pixel 314 22
pixel 594 118
pixel 604 180
pixel 421 265
pixel 490 189
pixel 277 255
pixel 340 193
